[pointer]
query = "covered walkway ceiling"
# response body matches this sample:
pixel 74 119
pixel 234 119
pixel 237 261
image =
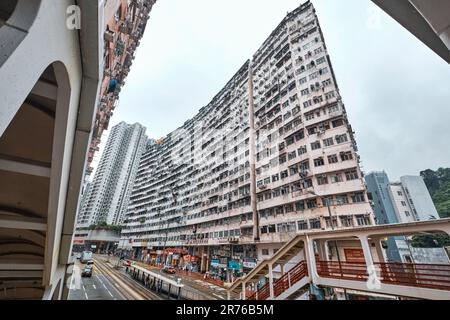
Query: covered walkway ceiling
pixel 428 20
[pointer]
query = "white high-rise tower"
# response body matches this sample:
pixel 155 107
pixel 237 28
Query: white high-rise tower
pixel 108 194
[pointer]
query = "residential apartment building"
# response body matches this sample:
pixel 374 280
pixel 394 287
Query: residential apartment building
pixel 401 202
pixel 417 198
pixel 273 154
pixel 125 22
pixel 106 197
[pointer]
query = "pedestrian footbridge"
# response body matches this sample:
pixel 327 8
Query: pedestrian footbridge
pixel 323 258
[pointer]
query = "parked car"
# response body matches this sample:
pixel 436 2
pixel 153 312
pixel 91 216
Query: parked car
pixel 78 255
pixel 87 271
pixel 169 270
pixel 90 263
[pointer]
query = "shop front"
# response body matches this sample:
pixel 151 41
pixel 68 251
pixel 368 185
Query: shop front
pixel 191 263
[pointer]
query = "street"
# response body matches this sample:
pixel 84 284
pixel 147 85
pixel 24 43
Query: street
pixel 107 283
pixel 110 283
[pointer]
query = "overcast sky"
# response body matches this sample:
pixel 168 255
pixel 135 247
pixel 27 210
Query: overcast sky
pixel 395 89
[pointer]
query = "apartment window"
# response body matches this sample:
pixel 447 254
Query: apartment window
pixel 320 60
pixel 341 199
pixel 341 138
pixel 318 50
pixel 351 175
pixel 407 213
pixel 300 206
pixel 311 204
pixel 303 80
pixel 330 95
pixel 317 99
pixel 358 197
pixel 338 123
pixel 302 150
pixel 292 155
pixel 323 71
pixel 336 178
pixel 328 223
pixel 347 221
pixel 326 82
pixel 276 193
pixel 307 183
pixel 290 141
pixel 314 75
pixel 315 145
pixel 302 225
pixel 307 104
pixel 363 220
pixel 333 159
pixel 265 252
pixel 315 223
pixel 305 92
pixel 319 162
pixel 322 180
pixel 345 156
pixel 309 116
pixel 400 193
pixel 403 203
pixel 328 142
pixel 275 178
pixel 289 208
pixel 300 135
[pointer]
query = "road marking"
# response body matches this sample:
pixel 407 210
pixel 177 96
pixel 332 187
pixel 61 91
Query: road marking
pixel 94 286
pixel 107 290
pixel 220 297
pixel 106 279
pixel 85 293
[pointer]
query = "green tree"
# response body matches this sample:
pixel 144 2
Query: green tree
pixel 438 184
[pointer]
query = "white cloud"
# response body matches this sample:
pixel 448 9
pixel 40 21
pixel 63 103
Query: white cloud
pixel 394 87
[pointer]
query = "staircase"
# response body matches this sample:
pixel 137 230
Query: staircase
pixel 291 282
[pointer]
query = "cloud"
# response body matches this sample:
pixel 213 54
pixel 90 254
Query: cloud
pixel 394 87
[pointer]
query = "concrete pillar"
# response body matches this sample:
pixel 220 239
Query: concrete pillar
pixel 322 250
pixel 310 259
pixel 282 269
pixel 379 250
pixel 244 295
pixel 366 249
pixel 228 295
pixel 272 295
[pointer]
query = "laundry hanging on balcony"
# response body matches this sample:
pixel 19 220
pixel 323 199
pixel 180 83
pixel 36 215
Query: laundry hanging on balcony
pixel 112 85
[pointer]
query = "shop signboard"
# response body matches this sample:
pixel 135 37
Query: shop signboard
pixel 214 263
pixel 234 265
pixel 249 264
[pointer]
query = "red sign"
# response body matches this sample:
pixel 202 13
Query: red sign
pixel 195 258
pixel 78 241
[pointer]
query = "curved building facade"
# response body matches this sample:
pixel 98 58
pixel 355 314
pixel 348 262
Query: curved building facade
pixel 271 155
